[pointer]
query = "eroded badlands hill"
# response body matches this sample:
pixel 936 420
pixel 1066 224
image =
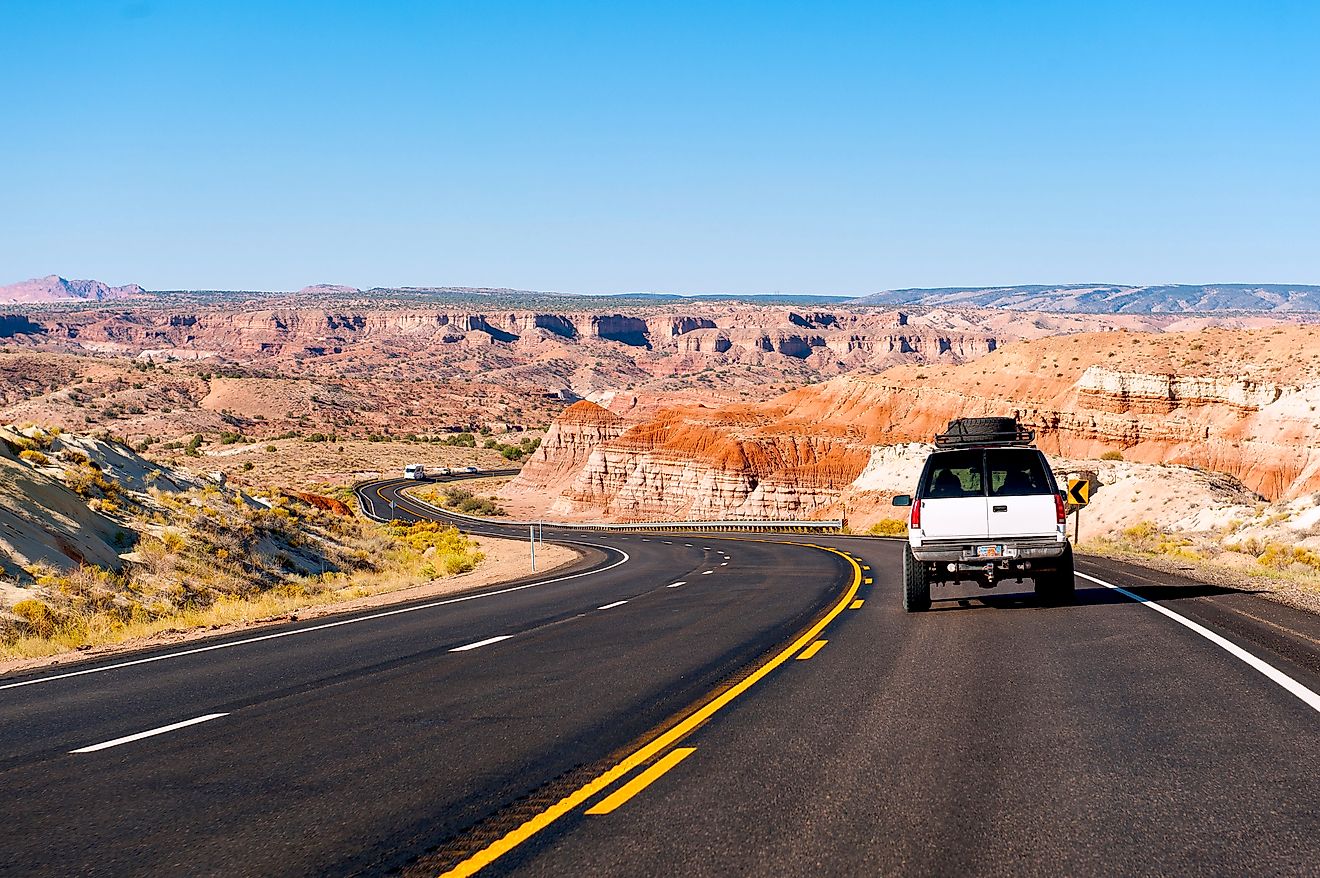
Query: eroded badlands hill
pixel 1238 402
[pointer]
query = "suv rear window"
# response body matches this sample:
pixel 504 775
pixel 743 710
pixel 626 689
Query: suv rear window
pixel 954 474
pixel 1012 472
pixel 1016 472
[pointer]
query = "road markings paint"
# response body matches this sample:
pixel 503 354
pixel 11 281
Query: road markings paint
pixel 501 846
pixel 1311 698
pixel 480 643
pixel 688 545
pixel 866 581
pixel 724 563
pixel 856 605
pixel 150 733
pixel 707 572
pixel 327 625
pixel 812 650
pixel 641 781
pixel 612 606
pixel 866 567
pixel 676 584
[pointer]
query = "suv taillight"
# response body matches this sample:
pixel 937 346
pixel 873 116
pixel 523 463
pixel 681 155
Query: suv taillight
pixel 1060 510
pixel 915 522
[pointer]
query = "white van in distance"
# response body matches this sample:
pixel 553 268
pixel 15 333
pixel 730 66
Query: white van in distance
pixel 414 471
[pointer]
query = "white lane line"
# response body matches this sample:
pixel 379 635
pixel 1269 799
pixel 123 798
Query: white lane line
pixel 676 584
pixel 1311 698
pixel 612 606
pixel 480 643
pixel 688 545
pixel 149 733
pixel 309 629
pixel 724 563
pixel 707 572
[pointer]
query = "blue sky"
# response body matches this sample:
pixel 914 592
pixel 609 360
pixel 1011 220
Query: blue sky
pixel 675 147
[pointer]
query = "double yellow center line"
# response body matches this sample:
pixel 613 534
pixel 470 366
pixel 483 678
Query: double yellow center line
pixel 659 745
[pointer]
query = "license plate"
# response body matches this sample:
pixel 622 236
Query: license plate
pixel 990 551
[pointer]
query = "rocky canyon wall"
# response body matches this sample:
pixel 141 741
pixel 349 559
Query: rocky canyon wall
pixel 1242 403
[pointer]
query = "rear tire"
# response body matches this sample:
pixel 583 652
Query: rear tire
pixel 916 583
pixel 1059 586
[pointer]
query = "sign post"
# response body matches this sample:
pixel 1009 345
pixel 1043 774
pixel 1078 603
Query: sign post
pixel 531 538
pixel 1079 495
pixel 391 510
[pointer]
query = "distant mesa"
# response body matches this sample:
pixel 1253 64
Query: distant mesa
pixel 1112 298
pixel 329 290
pixel 53 288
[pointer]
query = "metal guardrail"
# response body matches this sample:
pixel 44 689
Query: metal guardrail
pixel 789 525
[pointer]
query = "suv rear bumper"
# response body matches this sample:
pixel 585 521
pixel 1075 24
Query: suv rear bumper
pixel 1014 549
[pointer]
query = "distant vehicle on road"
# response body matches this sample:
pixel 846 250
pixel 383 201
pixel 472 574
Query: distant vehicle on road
pixel 987 508
pixel 470 469
pixel 414 471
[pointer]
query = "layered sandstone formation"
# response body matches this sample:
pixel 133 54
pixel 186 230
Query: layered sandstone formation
pixel 1242 403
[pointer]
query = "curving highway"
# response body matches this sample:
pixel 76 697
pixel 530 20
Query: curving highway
pixel 690 704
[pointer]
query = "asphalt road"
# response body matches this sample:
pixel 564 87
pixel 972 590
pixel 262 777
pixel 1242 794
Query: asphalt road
pixel 989 736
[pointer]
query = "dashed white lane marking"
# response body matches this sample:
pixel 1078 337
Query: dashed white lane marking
pixel 688 545
pixel 707 572
pixel 676 584
pixel 707 548
pixel 668 543
pixel 612 606
pixel 149 733
pixel 487 642
pixel 1311 698
pixel 724 563
pixel 322 627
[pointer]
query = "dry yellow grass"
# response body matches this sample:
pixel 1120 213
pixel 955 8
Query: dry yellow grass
pixel 222 562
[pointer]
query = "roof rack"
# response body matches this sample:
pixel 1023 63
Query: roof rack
pixel 976 432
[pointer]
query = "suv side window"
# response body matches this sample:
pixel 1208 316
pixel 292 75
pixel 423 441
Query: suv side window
pixel 954 474
pixel 1016 472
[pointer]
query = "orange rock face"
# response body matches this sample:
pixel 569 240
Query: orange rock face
pixel 1240 402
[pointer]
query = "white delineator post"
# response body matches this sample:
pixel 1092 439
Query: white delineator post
pixel 531 538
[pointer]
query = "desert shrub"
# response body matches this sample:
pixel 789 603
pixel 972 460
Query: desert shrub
pixel 460 440
pixel 39 618
pixel 1112 455
pixel 463 500
pixel 888 527
pixel 442 547
pixel 270 448
pixel 19 444
pixel 88 481
pixel 1279 556
pixel 1145 537
pixel 75 457
pixel 34 457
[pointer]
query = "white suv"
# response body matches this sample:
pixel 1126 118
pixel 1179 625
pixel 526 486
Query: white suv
pixel 986 508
